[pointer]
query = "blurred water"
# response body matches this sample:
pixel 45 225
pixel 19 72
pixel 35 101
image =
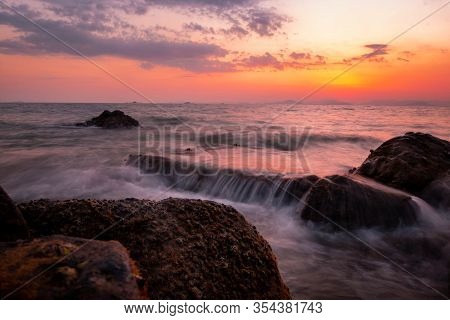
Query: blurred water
pixel 43 155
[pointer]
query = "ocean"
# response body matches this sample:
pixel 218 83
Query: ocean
pixel 45 155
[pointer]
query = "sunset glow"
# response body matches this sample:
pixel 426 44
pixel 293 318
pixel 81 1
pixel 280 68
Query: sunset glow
pixel 245 150
pixel 224 51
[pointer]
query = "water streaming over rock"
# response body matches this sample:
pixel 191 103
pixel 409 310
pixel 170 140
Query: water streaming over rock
pixel 45 156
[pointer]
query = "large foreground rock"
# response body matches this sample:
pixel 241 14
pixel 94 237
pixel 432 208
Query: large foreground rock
pixel 111 120
pixel 185 249
pixel 338 201
pixel 410 162
pixel 60 267
pixel 12 224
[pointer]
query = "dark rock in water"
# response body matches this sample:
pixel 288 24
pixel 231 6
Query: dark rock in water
pixel 111 120
pixel 231 184
pixel 409 162
pixel 185 249
pixel 437 193
pixel 340 201
pixel 90 270
pixel 293 189
pixel 12 224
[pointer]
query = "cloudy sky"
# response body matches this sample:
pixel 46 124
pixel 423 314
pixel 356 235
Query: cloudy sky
pixel 223 50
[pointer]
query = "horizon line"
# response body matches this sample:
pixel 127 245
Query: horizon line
pixel 378 102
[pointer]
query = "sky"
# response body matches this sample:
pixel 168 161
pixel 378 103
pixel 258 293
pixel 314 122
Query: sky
pixel 224 50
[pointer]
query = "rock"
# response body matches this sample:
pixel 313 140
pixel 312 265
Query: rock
pixel 111 120
pixel 185 249
pixel 340 201
pixel 437 193
pixel 12 224
pixel 232 184
pixel 60 267
pixel 409 162
pixel 292 190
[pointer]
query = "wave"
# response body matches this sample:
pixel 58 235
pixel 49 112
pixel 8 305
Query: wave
pixel 342 138
pixel 278 140
pixel 169 120
pixel 255 137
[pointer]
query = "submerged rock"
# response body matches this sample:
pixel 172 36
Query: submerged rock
pixel 111 120
pixel 339 201
pixel 231 184
pixel 12 223
pixel 60 267
pixel 185 249
pixel 409 162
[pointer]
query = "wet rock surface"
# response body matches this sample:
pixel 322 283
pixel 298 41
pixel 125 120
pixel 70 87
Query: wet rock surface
pixel 60 267
pixel 184 249
pixel 231 184
pixel 339 201
pixel 12 223
pixel 437 193
pixel 409 162
pixel 111 120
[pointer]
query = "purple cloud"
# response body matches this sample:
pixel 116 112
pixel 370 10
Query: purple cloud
pixel 97 28
pixel 264 22
pixel 269 61
pixel 163 52
pixel 262 61
pixel 300 55
pixel 377 50
pixel 377 53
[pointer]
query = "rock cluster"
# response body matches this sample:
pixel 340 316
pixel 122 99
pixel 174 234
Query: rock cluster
pixel 111 120
pixel 171 249
pixel 193 249
pixel 184 249
pixel 417 163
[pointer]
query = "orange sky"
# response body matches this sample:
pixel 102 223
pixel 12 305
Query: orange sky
pixel 246 50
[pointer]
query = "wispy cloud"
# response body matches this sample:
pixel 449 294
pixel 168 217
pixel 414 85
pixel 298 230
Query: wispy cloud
pixel 296 60
pixel 377 50
pixel 300 55
pixel 405 56
pixel 264 22
pixel 261 61
pixel 376 54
